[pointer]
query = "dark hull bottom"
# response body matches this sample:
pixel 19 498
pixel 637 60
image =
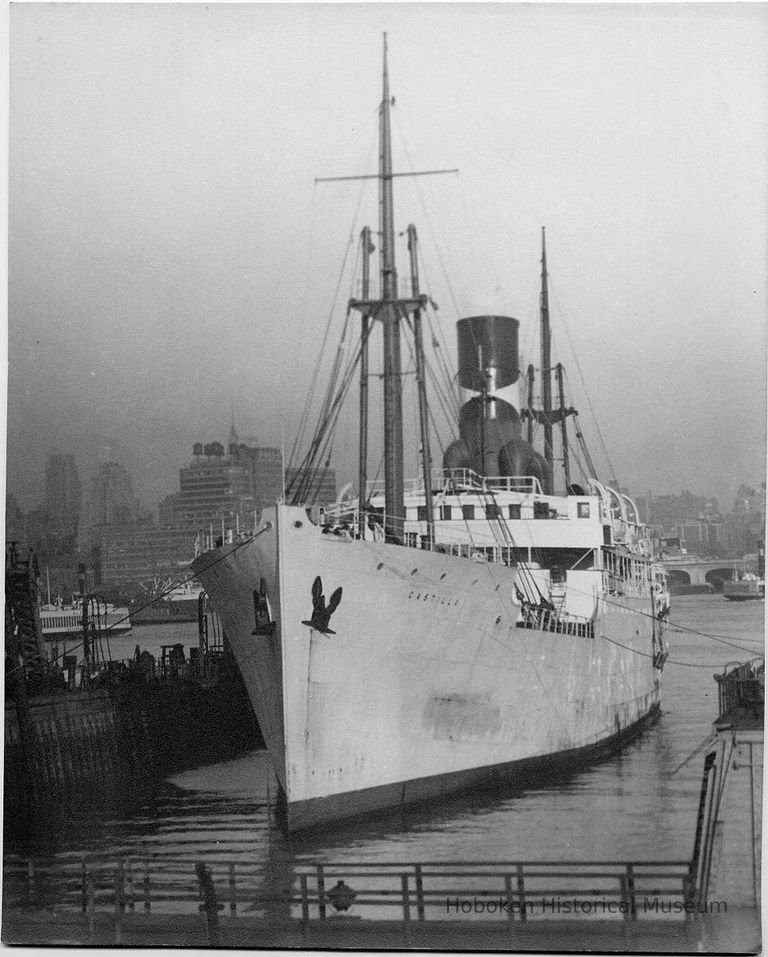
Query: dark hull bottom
pixel 745 597
pixel 538 771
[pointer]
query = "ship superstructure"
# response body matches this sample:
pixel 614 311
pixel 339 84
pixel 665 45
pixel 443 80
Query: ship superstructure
pixel 469 626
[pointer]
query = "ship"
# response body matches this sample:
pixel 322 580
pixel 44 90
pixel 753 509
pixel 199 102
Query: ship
pixel 747 588
pixel 166 603
pixel 470 627
pixel 65 620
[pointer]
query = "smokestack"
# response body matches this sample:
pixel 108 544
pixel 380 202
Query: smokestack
pixel 487 352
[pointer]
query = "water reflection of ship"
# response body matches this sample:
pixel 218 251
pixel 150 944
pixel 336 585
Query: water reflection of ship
pixel 162 603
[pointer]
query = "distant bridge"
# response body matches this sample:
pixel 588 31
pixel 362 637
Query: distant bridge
pixel 703 571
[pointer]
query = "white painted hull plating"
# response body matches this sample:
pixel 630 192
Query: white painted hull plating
pixel 426 684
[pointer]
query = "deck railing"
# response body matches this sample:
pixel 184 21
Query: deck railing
pixel 742 690
pixel 401 891
pixel 465 480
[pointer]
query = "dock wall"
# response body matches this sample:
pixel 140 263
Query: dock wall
pixel 85 747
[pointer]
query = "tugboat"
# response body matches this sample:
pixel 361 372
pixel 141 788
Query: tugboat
pixel 748 587
pixel 472 626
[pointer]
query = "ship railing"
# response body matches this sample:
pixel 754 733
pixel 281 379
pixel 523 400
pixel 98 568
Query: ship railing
pixel 450 481
pixel 503 893
pixel 741 691
pixel 541 618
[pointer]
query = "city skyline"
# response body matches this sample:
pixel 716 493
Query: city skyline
pixel 124 508
pixel 89 477
pixel 158 186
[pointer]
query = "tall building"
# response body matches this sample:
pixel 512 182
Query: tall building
pixel 224 486
pixel 265 471
pixel 111 500
pixel 62 495
pixel 138 554
pixel 14 521
pixel 213 488
pixel 750 501
pixel 701 537
pixel 667 511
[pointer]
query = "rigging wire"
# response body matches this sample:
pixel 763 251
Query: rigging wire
pixel 669 661
pixel 324 434
pixel 428 219
pixel 583 381
pixel 439 343
pixel 673 626
pixel 165 591
pixel 352 240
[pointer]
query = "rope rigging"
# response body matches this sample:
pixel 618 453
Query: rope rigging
pixel 575 355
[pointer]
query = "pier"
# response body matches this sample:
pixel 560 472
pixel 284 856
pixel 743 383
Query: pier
pixel 479 905
pixel 105 732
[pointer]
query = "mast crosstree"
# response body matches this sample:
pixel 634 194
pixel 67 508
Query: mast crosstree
pixel 390 308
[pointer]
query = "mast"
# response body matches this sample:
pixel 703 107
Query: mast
pixel 563 426
pixel 389 308
pixel 421 382
pixel 394 504
pixel 367 249
pixel 530 378
pixel 546 360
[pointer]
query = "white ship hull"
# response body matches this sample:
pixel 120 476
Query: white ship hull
pixel 425 682
pixel 64 622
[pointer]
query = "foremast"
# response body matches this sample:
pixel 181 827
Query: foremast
pixel 391 308
pixel 546 366
pixel 389 313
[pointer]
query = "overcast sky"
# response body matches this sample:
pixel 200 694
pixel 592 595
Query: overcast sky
pixel 171 256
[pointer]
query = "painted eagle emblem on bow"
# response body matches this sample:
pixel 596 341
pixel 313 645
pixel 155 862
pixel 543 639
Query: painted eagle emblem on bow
pixel 321 613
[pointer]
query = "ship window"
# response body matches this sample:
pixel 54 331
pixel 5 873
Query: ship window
pixel 492 511
pixel 421 513
pixel 583 509
pixel 445 513
pixel 540 510
pixel 564 558
pixel 467 511
pixel 514 511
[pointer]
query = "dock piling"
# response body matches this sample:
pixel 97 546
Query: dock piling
pixel 321 891
pixel 232 891
pixel 91 905
pixel 521 893
pixel 210 906
pixel 419 893
pixel 406 898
